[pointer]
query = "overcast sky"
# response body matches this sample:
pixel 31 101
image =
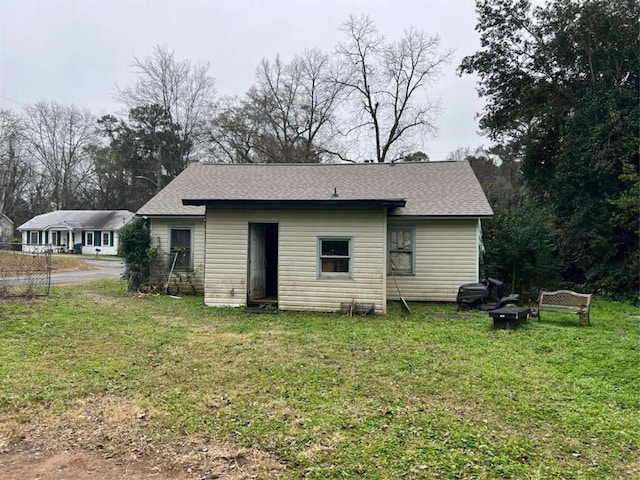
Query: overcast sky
pixel 76 51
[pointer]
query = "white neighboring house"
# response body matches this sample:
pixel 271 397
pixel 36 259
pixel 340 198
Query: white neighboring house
pixel 82 231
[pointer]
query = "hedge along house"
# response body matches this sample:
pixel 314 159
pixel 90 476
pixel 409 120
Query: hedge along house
pixel 82 231
pixel 314 237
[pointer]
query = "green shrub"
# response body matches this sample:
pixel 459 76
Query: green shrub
pixel 135 248
pixel 521 245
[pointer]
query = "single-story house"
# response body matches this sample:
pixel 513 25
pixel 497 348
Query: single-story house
pixel 84 231
pixel 6 229
pixel 317 237
pixel 177 230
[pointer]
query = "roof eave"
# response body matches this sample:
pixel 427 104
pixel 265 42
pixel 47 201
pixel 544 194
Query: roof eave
pixel 441 216
pixel 298 204
pixel 169 215
pixel 444 216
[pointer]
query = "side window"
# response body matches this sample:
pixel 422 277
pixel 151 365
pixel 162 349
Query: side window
pixel 180 245
pixel 402 250
pixel 34 238
pixel 90 238
pixel 334 256
pixel 105 238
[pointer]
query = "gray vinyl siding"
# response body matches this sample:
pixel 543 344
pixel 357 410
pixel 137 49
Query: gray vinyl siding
pixel 299 286
pixel 446 257
pixel 160 228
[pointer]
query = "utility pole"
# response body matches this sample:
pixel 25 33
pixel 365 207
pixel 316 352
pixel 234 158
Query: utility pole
pixel 159 169
pixel 4 175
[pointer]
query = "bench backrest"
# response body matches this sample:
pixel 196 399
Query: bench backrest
pixel 565 299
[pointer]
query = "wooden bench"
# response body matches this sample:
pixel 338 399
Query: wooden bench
pixel 562 300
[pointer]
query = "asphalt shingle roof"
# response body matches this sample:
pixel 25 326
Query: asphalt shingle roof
pixel 79 219
pixel 429 188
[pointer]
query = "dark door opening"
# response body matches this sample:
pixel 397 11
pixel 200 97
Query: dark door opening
pixel 263 264
pixel 271 247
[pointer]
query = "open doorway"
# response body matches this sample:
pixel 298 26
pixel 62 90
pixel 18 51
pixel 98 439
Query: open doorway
pixel 262 268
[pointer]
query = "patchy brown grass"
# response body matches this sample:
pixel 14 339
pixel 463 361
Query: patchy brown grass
pixel 69 263
pixel 116 437
pixel 12 261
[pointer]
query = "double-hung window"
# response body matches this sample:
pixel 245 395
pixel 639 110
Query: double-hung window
pixel 334 256
pixel 180 247
pixel 402 250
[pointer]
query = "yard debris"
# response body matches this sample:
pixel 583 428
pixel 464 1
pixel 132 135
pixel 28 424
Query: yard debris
pixel 353 309
pixel 261 308
pixel 111 434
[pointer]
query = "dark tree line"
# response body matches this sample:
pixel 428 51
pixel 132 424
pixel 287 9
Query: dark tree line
pixel 562 87
pixel 521 239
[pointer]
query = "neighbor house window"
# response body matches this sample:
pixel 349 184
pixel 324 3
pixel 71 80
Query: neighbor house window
pixel 90 239
pixel 334 256
pixel 34 238
pixel 402 250
pixel 105 238
pixel 180 247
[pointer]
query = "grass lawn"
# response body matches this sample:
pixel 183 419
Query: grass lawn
pixel 433 395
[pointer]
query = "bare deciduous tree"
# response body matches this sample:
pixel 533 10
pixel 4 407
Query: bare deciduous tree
pixel 232 132
pixel 318 98
pixel 387 82
pixel 56 137
pixel 184 90
pixel 286 116
pixel 18 177
pixel 8 136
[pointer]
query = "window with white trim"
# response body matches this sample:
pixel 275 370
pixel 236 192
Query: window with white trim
pixel 180 247
pixel 89 239
pixel 402 250
pixel 334 256
pixel 105 238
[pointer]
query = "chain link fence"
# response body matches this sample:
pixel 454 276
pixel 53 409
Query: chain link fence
pixel 24 274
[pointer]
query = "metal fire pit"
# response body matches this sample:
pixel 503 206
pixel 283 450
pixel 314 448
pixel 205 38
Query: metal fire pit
pixel 509 317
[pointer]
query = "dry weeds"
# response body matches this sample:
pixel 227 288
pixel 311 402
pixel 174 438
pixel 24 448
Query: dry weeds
pixel 11 261
pixel 117 438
